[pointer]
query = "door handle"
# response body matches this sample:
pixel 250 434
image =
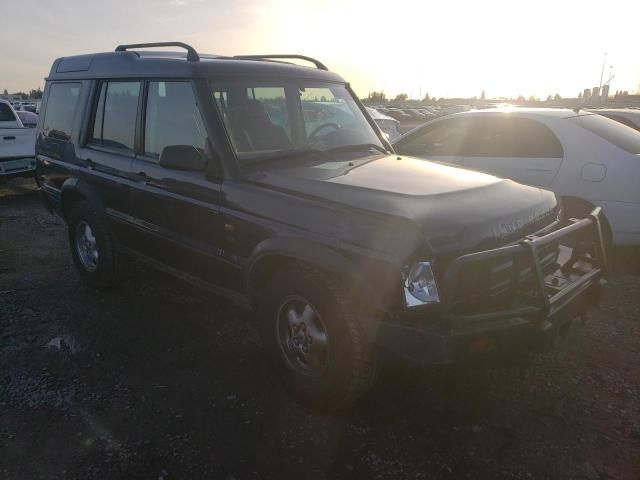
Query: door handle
pixel 142 177
pixel 9 137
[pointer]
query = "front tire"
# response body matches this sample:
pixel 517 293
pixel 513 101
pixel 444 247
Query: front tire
pixel 315 339
pixel 93 247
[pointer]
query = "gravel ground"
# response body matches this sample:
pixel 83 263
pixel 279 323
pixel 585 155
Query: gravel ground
pixel 160 380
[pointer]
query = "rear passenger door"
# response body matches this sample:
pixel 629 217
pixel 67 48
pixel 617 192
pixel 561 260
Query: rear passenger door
pixel 109 151
pixel 522 149
pixel 177 211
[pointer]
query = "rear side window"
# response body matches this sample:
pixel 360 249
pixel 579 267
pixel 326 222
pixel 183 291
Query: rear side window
pixel 115 120
pixel 61 110
pixel 514 137
pixel 620 135
pixel 172 118
pixel 6 115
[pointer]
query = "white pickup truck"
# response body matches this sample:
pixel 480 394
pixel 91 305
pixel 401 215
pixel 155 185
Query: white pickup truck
pixel 17 144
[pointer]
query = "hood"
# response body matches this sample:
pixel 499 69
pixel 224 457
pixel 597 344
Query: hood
pixel 453 208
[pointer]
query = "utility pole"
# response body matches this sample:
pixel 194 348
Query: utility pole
pixel 604 61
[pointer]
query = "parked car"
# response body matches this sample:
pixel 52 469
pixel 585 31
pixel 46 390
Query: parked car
pixel 29 107
pixel 587 159
pixel 17 144
pixel 338 244
pixel 389 126
pixel 627 116
pixel 399 115
pixel 28 119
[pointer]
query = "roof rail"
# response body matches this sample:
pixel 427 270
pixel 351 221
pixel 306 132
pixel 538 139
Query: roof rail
pixel 317 63
pixel 192 55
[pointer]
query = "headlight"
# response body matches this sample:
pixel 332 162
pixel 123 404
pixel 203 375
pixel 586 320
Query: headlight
pixel 420 285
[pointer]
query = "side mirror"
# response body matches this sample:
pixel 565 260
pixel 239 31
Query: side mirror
pixel 182 157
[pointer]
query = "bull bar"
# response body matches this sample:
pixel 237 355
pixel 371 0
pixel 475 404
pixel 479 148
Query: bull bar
pixel 549 299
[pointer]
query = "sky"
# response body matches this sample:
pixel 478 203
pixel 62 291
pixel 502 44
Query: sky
pixel 450 48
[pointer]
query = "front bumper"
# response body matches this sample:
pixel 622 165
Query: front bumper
pixel 17 167
pixel 553 301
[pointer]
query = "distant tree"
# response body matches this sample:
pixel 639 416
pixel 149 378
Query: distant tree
pixel 401 97
pixel 37 93
pixel 533 98
pixel 5 92
pixel 376 97
pixel 426 98
pixel 549 98
pixel 520 98
pixel 557 97
pixel 580 95
pixel 482 96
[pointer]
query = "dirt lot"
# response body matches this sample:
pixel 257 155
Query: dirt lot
pixel 160 380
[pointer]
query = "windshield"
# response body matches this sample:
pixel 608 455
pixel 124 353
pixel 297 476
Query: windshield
pixel 263 119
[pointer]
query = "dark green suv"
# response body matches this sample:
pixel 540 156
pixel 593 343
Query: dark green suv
pixel 267 182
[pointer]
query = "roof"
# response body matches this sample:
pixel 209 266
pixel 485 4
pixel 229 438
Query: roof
pixel 133 63
pixel 529 111
pixel 632 111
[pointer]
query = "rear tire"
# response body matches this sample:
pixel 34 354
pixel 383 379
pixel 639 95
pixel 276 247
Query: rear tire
pixel 93 247
pixel 339 366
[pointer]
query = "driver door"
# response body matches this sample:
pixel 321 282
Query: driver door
pixel 441 141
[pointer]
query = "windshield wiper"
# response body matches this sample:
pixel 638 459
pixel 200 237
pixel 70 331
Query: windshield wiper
pixel 283 154
pixel 357 147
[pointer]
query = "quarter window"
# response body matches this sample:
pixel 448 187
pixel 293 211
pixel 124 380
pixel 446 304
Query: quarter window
pixel 172 118
pixel 61 109
pixel 115 119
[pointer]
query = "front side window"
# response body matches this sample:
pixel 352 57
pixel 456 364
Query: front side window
pixel 115 120
pixel 444 138
pixel 263 118
pixel 61 109
pixel 275 105
pixel 172 118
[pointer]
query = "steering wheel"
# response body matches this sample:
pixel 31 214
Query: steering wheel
pixel 324 125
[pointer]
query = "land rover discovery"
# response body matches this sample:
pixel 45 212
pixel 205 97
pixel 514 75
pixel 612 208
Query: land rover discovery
pixel 267 182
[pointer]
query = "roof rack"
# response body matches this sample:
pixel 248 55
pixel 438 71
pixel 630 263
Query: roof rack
pixel 319 65
pixel 192 55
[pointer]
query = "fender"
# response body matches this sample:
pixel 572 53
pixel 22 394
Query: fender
pixel 74 185
pixel 313 253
